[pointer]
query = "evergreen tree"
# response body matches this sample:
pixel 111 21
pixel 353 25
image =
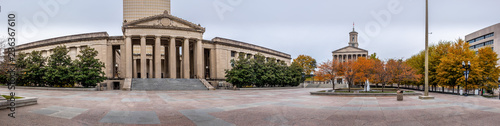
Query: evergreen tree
pixel 87 70
pixel 35 70
pixel 21 63
pixel 259 69
pixel 58 72
pixel 242 73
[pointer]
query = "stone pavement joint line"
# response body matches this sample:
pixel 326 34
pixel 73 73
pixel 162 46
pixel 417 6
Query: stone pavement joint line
pixel 60 112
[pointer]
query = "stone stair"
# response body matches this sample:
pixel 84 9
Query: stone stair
pixel 167 84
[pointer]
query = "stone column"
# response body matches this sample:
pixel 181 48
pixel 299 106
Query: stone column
pixel 110 66
pixel 143 57
pixel 198 60
pixel 165 61
pixel 213 66
pixel 78 49
pixel 150 68
pixel 127 54
pixel 171 58
pixel 185 58
pixel 157 57
pixel 122 62
pixel 134 68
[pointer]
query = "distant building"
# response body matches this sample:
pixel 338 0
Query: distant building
pixel 485 38
pixel 349 53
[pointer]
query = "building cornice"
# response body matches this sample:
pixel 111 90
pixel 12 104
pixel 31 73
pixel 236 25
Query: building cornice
pixel 64 39
pixel 243 45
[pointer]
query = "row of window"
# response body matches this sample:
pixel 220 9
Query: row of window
pixel 482 44
pixel 233 55
pixel 478 51
pixel 481 38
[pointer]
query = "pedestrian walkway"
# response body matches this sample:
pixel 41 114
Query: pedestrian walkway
pixel 247 108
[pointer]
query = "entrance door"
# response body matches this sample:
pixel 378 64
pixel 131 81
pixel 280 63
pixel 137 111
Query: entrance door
pixel 116 85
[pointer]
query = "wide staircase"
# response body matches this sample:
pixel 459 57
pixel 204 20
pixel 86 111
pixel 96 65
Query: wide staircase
pixel 167 84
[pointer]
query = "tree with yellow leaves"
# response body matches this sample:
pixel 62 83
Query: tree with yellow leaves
pixel 450 71
pixel 306 62
pixel 487 60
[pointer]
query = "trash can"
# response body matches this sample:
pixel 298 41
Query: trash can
pixel 400 95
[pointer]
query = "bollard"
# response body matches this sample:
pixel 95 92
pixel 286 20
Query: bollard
pixel 400 95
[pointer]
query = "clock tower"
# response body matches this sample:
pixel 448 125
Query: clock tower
pixel 353 38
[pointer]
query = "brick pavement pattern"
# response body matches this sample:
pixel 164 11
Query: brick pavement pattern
pixel 247 108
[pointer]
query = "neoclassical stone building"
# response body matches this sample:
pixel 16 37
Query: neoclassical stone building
pixel 350 52
pixel 156 44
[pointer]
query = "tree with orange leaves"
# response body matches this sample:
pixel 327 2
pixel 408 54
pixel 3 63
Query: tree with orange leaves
pixel 380 75
pixel 347 70
pixel 363 69
pixel 328 70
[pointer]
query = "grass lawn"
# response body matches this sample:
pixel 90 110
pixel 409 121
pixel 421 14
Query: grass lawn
pixel 8 97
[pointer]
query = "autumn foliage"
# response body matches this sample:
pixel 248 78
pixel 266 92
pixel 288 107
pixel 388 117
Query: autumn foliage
pixel 445 66
pixel 376 71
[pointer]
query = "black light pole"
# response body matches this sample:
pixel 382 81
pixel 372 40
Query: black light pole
pixel 466 74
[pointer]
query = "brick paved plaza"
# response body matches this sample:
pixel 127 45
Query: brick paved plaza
pixel 247 108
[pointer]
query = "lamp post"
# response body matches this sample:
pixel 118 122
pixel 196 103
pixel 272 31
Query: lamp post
pixel 426 89
pixel 466 74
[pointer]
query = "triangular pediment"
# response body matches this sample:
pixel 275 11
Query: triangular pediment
pixel 349 49
pixel 164 21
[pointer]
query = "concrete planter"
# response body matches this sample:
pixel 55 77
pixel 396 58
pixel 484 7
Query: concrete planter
pixel 363 94
pixel 50 88
pixel 4 104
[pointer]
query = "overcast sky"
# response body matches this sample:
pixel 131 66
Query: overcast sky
pixel 390 28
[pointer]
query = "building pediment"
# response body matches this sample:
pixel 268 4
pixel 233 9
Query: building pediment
pixel 163 21
pixel 349 49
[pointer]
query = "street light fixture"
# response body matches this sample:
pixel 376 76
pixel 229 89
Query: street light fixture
pixel 466 74
pixel 426 77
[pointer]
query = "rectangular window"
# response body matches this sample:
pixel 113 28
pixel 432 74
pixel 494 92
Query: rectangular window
pixel 233 53
pixel 489 35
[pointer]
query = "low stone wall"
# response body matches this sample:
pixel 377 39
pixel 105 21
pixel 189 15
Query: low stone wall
pixel 364 94
pixel 307 85
pixel 49 88
pixel 4 104
pixel 269 88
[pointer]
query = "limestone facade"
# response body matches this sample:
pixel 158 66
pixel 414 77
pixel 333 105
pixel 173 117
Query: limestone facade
pixel 157 46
